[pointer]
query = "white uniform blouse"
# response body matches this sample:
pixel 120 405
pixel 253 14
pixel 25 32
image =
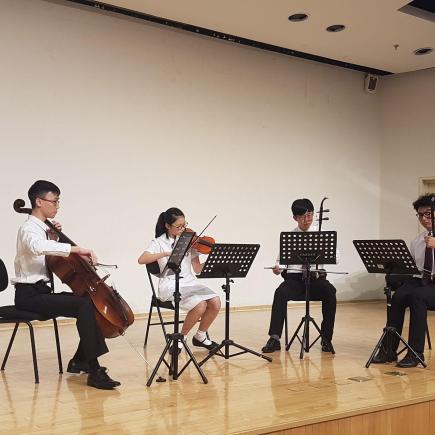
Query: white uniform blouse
pixel 191 290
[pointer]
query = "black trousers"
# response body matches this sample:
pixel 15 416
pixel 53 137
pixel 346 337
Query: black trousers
pixel 419 299
pixel 293 289
pixel 39 299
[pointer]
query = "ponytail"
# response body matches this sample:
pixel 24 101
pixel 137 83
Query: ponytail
pixel 167 217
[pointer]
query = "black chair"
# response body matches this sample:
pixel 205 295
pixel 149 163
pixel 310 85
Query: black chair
pixel 9 314
pixel 154 270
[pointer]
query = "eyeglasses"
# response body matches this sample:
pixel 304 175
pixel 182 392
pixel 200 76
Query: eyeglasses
pixel 55 202
pixel 308 215
pixel 426 214
pixel 180 227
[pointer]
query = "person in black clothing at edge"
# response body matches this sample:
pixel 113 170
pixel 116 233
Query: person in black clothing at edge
pixel 417 293
pixel 32 293
pixel 293 288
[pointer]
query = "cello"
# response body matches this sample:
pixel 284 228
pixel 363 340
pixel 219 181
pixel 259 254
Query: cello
pixel 113 314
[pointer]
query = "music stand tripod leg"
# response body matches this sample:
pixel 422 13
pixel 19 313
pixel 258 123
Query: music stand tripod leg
pixel 227 342
pixel 306 320
pixel 173 340
pixel 295 335
pixel 377 347
pixel 159 362
pixel 410 349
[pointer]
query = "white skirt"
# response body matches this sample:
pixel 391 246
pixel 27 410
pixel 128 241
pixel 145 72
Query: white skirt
pixel 190 295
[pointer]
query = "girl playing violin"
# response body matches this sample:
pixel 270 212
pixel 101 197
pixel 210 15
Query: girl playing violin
pixel 198 300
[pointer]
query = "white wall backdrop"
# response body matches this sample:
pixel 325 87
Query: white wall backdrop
pixel 408 153
pixel 129 119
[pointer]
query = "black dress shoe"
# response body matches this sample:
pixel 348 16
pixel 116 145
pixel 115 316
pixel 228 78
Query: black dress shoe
pixel 410 360
pixel 76 366
pixel 271 346
pixel 327 347
pixel 102 380
pixel 198 343
pixel 383 357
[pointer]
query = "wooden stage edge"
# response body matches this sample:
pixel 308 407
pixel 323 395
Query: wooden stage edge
pixel 410 417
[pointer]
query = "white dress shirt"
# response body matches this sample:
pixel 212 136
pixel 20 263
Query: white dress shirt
pixel 418 251
pixel 32 247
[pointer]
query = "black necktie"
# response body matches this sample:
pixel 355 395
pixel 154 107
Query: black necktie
pixel 428 264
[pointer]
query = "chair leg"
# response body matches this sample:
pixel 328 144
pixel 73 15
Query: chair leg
pixel 148 324
pixel 286 327
pixel 59 355
pixel 162 322
pixel 8 350
pixel 428 337
pixel 35 362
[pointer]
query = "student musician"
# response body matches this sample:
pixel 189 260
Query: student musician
pixel 199 301
pixel 293 288
pixel 35 240
pixel 417 293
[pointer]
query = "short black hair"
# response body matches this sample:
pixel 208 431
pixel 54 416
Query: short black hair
pixel 302 206
pixel 39 189
pixel 423 201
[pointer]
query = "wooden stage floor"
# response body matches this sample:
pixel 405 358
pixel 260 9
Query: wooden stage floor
pixel 245 394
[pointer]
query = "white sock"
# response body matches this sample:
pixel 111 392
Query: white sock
pixel 180 344
pixel 202 337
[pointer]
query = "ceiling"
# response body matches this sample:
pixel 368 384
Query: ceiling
pixel 377 35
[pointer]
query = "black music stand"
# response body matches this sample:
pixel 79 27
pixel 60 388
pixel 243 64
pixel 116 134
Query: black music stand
pixel 229 260
pixel 173 264
pixel 391 257
pixel 307 248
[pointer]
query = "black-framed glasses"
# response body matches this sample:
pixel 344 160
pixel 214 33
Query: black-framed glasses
pixel 55 202
pixel 307 215
pixel 426 214
pixel 180 227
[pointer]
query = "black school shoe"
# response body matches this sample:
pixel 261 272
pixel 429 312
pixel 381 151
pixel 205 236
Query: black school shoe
pixel 327 347
pixel 383 357
pixel 410 360
pixel 76 366
pixel 102 380
pixel 271 346
pixel 198 343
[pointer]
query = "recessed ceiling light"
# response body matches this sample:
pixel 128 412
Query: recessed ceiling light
pixel 295 18
pixel 423 51
pixel 335 28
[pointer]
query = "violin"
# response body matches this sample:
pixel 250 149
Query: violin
pixel 112 313
pixel 202 244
